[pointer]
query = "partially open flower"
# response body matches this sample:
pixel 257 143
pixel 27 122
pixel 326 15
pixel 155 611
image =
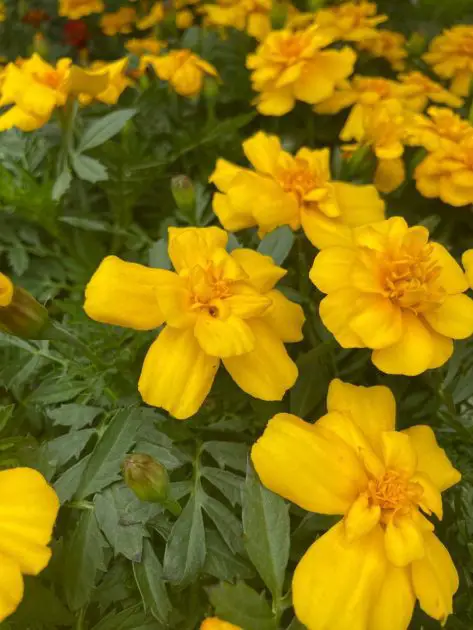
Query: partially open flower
pixel 388 45
pixel 119 22
pixel 350 21
pixel 214 623
pixel 420 89
pixel 75 9
pixel 250 15
pixel 440 129
pixel 155 16
pixel 451 56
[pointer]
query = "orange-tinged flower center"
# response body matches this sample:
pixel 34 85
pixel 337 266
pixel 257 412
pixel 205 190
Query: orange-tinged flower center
pixel 299 179
pixel 51 78
pixel 291 47
pixel 394 492
pixel 208 285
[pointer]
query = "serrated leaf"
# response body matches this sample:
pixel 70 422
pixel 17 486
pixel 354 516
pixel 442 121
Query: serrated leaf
pixel 226 523
pixel 229 454
pixel 66 485
pixel 149 579
pixel 158 255
pixel 223 563
pixel 277 244
pixel 88 169
pixel 62 184
pixel 62 449
pixel 84 557
pixel 40 605
pixel 228 483
pixel 18 259
pixel 315 374
pixel 266 527
pixel 105 128
pixel 103 468
pixel 6 412
pixel 185 551
pixel 55 391
pixel 73 415
pixel 242 606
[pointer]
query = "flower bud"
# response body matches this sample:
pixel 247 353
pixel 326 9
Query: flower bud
pixel 183 192
pixel 184 19
pixel 416 44
pixel 146 477
pixel 20 314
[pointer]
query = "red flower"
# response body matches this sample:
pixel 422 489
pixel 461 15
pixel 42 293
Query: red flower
pixel 76 33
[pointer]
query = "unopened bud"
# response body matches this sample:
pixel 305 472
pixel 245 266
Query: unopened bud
pixel 20 314
pixel 40 45
pixel 183 191
pixel 149 480
pixel 416 44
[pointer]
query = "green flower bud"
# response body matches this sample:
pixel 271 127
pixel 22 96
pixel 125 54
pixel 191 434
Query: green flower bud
pixel 20 314
pixel 146 477
pixel 416 44
pixel 183 192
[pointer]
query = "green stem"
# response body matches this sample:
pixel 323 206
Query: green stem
pixel 79 505
pixel 67 120
pixel 173 506
pixel 80 619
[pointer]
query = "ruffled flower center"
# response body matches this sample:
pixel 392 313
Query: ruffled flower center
pixel 291 48
pixel 393 492
pixel 299 179
pixel 209 287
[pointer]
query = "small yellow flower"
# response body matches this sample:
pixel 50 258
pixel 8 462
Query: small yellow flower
pixel 184 19
pixel 119 22
pixel 76 9
pixel 214 623
pixel 291 190
pixel 441 129
pixel 397 293
pixel 295 65
pixel 467 260
pixel 388 45
pixel 28 510
pixel 184 70
pixel 421 89
pixel 451 56
pixel 369 569
pixel 217 307
pixel 448 173
pixel 250 15
pixel 350 21
pixel 117 81
pixel 148 45
pixel 36 88
pixel 155 16
pixel 6 290
pixel 3 13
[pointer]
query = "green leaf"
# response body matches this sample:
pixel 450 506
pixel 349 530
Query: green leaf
pixel 226 522
pixel 103 467
pixel 68 446
pixel 105 128
pixel 61 185
pixel 277 244
pixel 88 169
pixel 185 551
pixel 315 374
pixel 296 625
pixel 84 557
pixel 54 391
pixel 229 484
pixel 73 415
pixel 267 532
pixel 66 485
pixel 231 454
pixel 242 606
pixel 6 412
pixel 223 563
pixel 149 579
pixel 132 618
pixel 158 255
pixel 40 605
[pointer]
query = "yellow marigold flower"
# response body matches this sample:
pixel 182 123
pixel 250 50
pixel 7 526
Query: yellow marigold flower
pixel 369 569
pixel 3 14
pixel 119 22
pixel 441 129
pixel 350 21
pixel 184 70
pixel 28 510
pixel 214 623
pixel 388 45
pixel 36 88
pixel 291 190
pixel 448 174
pixel 155 16
pixel 148 45
pixel 6 291
pixel 117 81
pixel 20 314
pixel 451 56
pixel 397 293
pixel 184 19
pixel 250 15
pixel 216 305
pixel 295 65
pixel 421 89
pixel 467 260
pixel 75 9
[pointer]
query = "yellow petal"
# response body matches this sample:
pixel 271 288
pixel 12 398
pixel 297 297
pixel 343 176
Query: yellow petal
pixel 332 268
pixel 192 246
pixel 404 541
pixel 266 372
pixel 308 465
pixel 453 318
pixel 467 260
pixel 247 302
pixel 6 290
pixel 412 354
pixel 431 459
pixel 220 337
pixel 214 623
pixel 174 300
pixel 372 409
pixel 124 294
pixel 394 605
pixel 442 350
pixel 263 273
pixel 336 310
pixel 361 518
pixel 358 204
pixel 378 322
pixel 389 175
pixel 322 231
pixel 435 579
pixel 337 582
pixel 80 81
pixel 11 586
pixel 431 500
pixel 16 117
pixel 286 318
pixel 398 453
pixel 177 374
pixel 276 102
pixel 224 174
pixel 232 220
pixel 451 276
pixel 263 150
pixel 28 510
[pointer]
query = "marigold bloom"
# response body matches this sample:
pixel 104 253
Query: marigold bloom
pixel 147 45
pixel 216 305
pixel 28 510
pixel 448 173
pixel 119 22
pixel 441 129
pixel 155 16
pixel 35 89
pixel 214 623
pixel 184 19
pixel 368 570
pixel 397 293
pixel 420 89
pixel 388 45
pixel 6 290
pixel 3 13
pixel 117 81
pixel 75 9
pixel 451 56
pixel 295 65
pixel 467 260
pixel 291 190
pixel 250 15
pixel 184 70
pixel 350 21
